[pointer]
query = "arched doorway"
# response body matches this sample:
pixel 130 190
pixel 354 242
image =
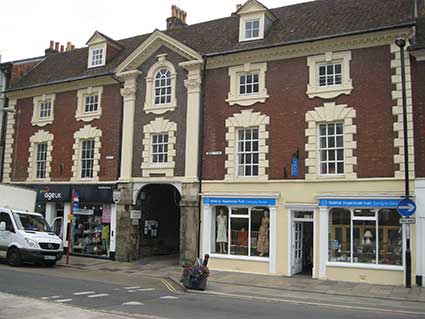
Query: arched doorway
pixel 160 223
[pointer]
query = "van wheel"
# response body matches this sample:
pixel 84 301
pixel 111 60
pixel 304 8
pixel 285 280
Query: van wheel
pixel 50 263
pixel 14 257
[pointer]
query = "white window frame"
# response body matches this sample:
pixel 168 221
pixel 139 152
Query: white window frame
pixel 40 137
pixel 333 75
pixel 163 145
pixel 243 153
pixel 41 161
pixel 248 18
pixel 81 114
pixel 92 50
pixel 251 30
pixel 84 170
pixel 327 149
pixel 376 264
pixel 329 113
pixel 86 133
pixel 329 91
pixel 38 101
pixel 159 126
pixel 246 119
pixel 164 75
pixel 150 106
pixel 234 96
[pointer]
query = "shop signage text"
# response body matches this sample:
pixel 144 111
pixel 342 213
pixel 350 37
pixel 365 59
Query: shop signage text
pixel 49 195
pixel 239 201
pixel 385 203
pixel 408 221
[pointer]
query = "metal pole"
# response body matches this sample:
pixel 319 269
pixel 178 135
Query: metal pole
pixel 401 43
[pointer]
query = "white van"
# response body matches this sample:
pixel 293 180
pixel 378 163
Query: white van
pixel 27 237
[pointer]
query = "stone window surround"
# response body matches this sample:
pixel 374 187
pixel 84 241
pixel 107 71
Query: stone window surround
pixel 261 17
pixel 157 126
pixel 90 56
pixel 332 91
pixel 85 133
pixel 330 112
pixel 37 100
pixel 150 106
pixel 40 137
pixel 80 113
pixel 247 100
pixel 246 119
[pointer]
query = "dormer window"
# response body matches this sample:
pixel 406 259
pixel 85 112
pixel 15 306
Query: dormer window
pixel 255 21
pixel 97 56
pixel 252 29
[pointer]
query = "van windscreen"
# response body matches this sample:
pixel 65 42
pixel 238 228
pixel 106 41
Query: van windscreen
pixel 31 222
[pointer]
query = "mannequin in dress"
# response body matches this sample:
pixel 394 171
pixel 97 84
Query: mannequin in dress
pixel 263 235
pixel 221 231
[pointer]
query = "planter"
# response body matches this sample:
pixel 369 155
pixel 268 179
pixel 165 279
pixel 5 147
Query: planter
pixel 195 285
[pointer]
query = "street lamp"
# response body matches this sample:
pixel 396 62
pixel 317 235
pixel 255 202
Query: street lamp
pixel 401 43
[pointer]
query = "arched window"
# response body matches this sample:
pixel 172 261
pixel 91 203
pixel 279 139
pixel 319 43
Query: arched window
pixel 162 87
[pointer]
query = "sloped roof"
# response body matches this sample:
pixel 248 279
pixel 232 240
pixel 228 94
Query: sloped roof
pixel 296 23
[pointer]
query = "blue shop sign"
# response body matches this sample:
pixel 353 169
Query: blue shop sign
pixel 382 203
pixel 239 201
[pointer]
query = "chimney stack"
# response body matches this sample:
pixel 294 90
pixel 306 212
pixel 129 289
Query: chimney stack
pixel 177 19
pixel 50 49
pixel 56 47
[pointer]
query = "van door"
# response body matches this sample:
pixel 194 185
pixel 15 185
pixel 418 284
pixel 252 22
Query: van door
pixel 6 235
pixel 57 226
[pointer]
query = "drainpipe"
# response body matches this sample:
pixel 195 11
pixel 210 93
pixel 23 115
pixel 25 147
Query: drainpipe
pixel 121 83
pixel 7 71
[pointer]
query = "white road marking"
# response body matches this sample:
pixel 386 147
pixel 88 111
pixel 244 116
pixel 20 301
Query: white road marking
pixel 136 287
pixel 84 293
pixel 169 297
pixel 146 289
pixel 51 297
pixel 63 300
pixel 132 303
pixel 98 295
pixel 131 290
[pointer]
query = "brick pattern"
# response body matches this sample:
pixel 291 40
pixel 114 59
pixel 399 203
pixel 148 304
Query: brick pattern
pixel 286 83
pixel 418 88
pixel 63 128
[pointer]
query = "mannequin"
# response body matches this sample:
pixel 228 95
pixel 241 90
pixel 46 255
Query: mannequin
pixel 263 235
pixel 221 231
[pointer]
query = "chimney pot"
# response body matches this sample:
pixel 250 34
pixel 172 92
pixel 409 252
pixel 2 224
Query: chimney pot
pixel 68 46
pixel 57 46
pixel 52 43
pixel 72 47
pixel 62 48
pixel 174 10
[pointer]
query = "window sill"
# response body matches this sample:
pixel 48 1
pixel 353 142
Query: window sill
pixel 160 109
pixel 88 117
pixel 43 122
pixel 247 100
pixel 149 169
pixel 329 92
pixel 236 257
pixel 364 266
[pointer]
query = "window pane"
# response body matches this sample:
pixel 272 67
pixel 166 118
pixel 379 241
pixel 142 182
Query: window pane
pixel 364 241
pixel 239 236
pixel 260 231
pixel 390 237
pixel 221 233
pixel 339 235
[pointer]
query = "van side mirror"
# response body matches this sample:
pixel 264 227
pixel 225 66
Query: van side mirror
pixel 2 226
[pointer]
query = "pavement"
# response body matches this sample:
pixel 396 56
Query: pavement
pixel 226 282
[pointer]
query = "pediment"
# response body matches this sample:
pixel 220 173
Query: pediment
pixel 146 49
pixel 96 38
pixel 251 6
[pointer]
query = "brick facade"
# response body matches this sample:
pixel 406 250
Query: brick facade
pixel 286 83
pixel 63 128
pixel 418 91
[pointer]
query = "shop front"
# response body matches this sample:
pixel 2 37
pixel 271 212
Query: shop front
pixel 93 222
pixel 240 232
pixel 361 239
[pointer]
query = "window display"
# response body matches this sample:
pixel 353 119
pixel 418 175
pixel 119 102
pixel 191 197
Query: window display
pixel 241 231
pixel 365 236
pixel 91 230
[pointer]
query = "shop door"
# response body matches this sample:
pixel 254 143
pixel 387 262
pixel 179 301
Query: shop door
pixel 297 247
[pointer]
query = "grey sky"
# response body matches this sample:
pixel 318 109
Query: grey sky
pixel 27 26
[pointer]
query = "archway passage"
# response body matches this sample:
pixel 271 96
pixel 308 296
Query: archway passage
pixel 160 223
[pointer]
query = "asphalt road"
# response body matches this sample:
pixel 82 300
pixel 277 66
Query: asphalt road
pixel 154 297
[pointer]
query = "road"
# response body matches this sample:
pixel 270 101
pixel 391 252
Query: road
pixel 146 296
